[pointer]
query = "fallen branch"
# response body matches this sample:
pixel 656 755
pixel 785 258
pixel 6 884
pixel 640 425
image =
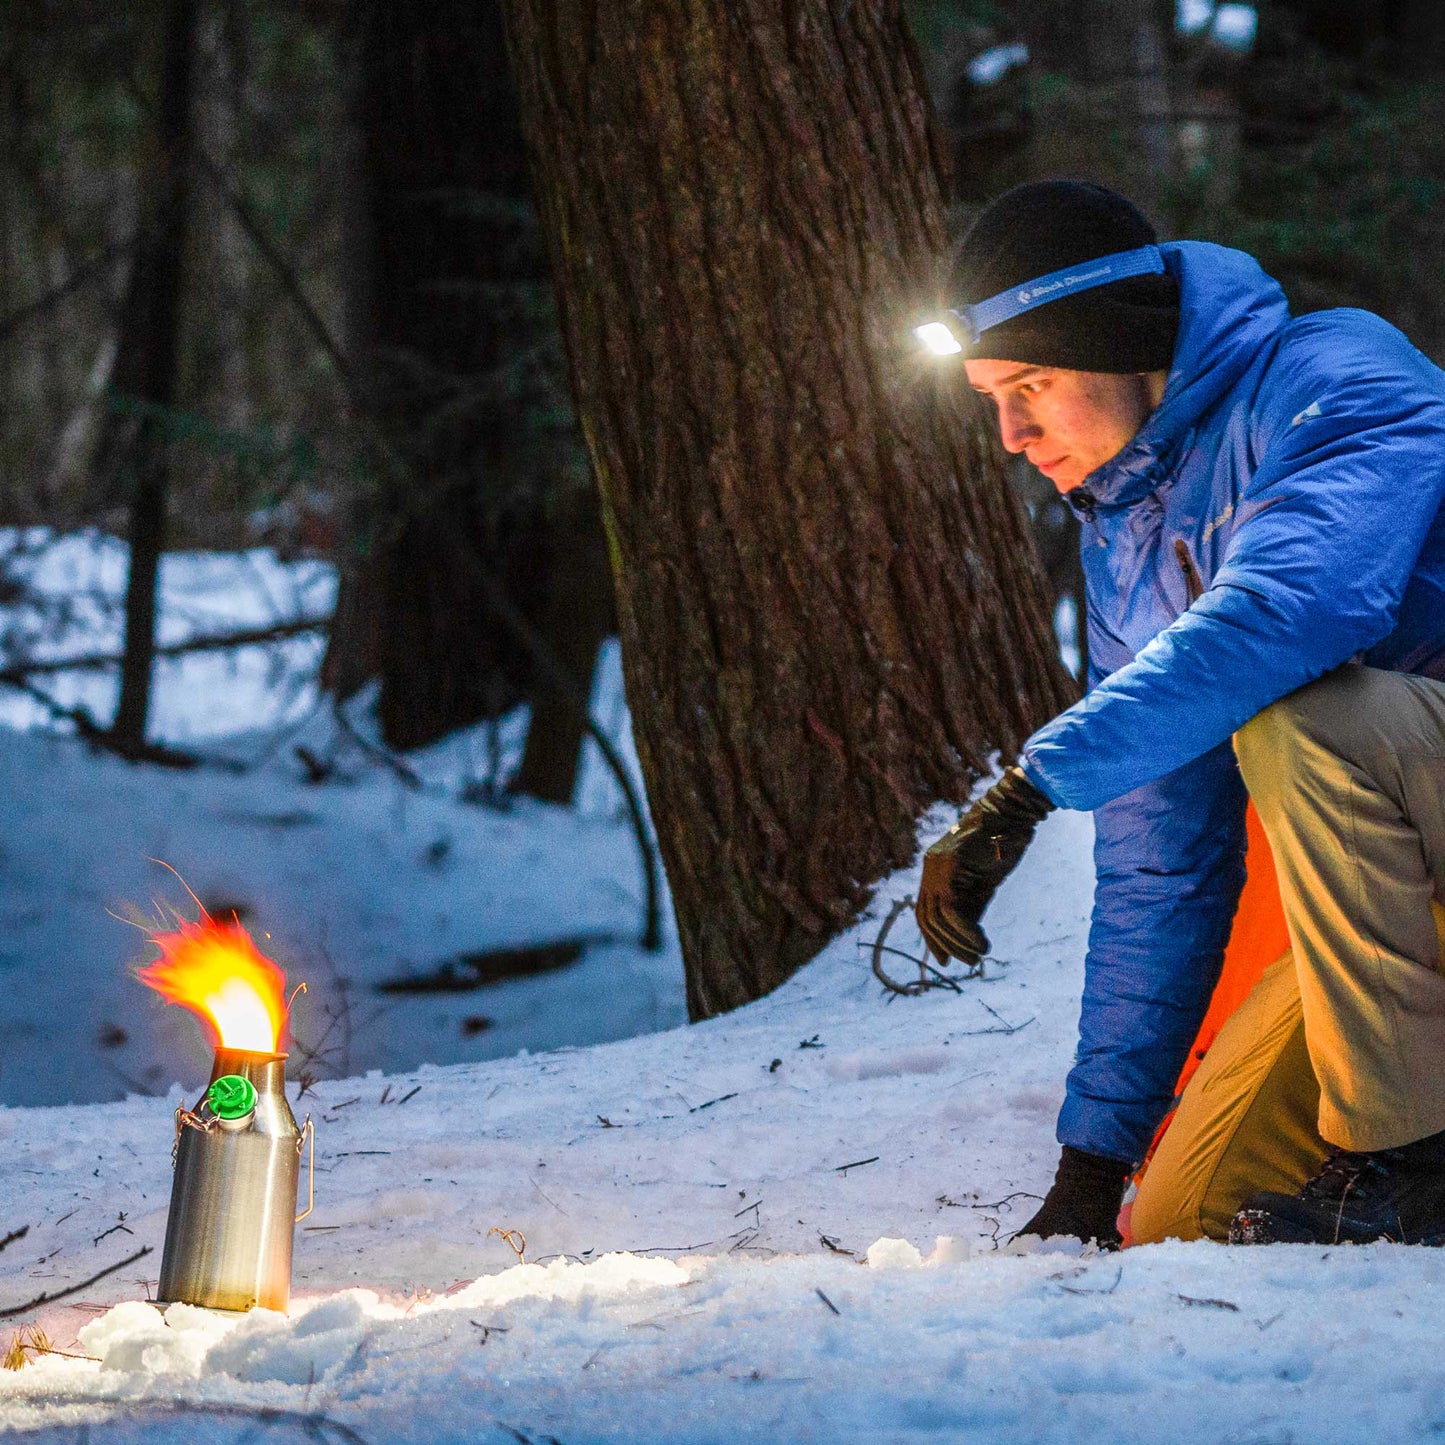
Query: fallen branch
pixel 1218 1304
pixel 45 1299
pixel 929 976
pixel 15 1234
pixel 403 770
pixel 1118 1275
pixel 217 642
pixel 557 676
pixel 18 675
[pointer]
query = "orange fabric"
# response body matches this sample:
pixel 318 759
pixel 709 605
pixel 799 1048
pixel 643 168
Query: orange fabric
pixel 1259 936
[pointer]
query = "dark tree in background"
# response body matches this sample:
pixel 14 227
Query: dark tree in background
pixel 132 457
pixel 453 338
pixel 829 608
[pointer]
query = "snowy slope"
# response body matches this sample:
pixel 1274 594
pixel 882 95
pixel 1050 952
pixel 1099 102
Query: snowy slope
pixel 346 885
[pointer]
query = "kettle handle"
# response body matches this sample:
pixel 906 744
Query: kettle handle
pixel 308 1131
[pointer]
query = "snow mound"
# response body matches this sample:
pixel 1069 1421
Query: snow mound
pixel 310 1344
pixel 262 1345
pixel 619 1273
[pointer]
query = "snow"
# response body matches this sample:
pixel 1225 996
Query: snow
pixel 1232 26
pixel 787 1224
pixel 348 884
pixel 990 66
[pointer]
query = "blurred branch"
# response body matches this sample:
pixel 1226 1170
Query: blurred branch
pixel 72 283
pixel 219 642
pixel 290 282
pixel 561 680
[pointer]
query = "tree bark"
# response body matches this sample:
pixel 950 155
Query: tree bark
pixel 828 603
pixel 143 384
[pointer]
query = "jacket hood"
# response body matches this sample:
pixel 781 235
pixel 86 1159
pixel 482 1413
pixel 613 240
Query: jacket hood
pixel 1229 311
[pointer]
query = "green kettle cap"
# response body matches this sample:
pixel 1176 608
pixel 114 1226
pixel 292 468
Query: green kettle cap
pixel 232 1096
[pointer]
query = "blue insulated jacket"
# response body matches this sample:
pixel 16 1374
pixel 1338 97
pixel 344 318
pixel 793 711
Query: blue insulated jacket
pixel 1279 513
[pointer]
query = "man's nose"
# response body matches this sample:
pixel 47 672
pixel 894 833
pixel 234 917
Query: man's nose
pixel 1016 426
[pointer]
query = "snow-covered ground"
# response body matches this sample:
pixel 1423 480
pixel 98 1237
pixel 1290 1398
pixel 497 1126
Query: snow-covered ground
pixel 787 1224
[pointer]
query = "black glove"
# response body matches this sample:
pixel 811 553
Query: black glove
pixel 962 870
pixel 1084 1201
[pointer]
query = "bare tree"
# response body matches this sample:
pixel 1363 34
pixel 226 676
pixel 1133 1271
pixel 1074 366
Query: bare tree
pixel 132 453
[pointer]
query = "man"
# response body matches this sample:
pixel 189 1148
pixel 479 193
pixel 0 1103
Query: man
pixel 1264 547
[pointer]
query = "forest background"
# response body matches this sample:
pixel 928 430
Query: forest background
pixel 273 275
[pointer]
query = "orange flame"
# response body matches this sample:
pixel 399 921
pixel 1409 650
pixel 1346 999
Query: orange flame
pixel 216 971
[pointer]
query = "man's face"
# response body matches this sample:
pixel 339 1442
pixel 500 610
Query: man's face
pixel 1066 422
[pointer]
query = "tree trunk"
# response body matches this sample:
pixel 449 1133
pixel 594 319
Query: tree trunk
pixel 828 603
pixel 576 620
pixel 454 354
pixel 143 384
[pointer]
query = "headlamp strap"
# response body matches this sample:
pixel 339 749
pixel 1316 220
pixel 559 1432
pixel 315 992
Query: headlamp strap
pixel 1146 260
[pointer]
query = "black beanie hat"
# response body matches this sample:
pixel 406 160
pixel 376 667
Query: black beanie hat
pixel 1044 226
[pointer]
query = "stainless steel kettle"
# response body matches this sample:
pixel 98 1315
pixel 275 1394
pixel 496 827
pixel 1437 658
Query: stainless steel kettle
pixel 237 1161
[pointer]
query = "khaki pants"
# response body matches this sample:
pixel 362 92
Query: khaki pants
pixel 1343 1040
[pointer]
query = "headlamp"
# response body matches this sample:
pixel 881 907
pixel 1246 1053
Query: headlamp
pixel 964 325
pixel 937 338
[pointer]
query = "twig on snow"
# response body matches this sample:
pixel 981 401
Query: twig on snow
pixel 18 1234
pixel 45 1299
pixel 1004 1026
pixel 1005 1203
pixel 721 1099
pixel 513 1237
pixel 880 947
pixel 1118 1275
pixel 120 1225
pixel 827 1301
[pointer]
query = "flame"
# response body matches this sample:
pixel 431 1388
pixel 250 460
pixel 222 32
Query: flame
pixel 216 971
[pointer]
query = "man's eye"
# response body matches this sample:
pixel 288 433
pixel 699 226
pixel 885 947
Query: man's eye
pixel 1032 387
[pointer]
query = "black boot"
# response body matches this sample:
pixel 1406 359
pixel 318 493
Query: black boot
pixel 1389 1194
